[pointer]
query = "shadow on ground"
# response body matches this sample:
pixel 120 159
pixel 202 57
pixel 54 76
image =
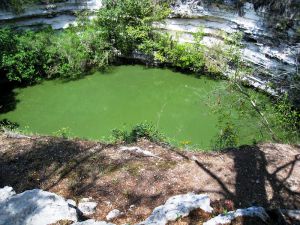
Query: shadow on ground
pixel 77 169
pixel 252 177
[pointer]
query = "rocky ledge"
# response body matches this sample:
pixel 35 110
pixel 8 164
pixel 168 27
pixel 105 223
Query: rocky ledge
pixel 59 15
pixel 38 207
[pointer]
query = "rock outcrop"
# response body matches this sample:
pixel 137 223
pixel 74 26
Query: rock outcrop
pixel 271 37
pixel 59 15
pixel 38 207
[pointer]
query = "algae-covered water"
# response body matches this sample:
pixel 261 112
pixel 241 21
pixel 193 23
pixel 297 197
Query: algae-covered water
pixel 179 105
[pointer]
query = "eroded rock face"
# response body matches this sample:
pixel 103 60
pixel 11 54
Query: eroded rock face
pixel 34 207
pixel 59 15
pixel 271 37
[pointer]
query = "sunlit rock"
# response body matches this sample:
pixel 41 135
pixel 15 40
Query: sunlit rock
pixel 178 206
pixel 35 207
pixel 228 217
pixel 6 193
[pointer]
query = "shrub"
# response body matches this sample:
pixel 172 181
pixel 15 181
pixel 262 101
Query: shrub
pixel 227 138
pixel 142 130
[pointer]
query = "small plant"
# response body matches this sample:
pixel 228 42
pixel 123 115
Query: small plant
pixel 185 143
pixel 64 132
pixel 142 130
pixel 7 124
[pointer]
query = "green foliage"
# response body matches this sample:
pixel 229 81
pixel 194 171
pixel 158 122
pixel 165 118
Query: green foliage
pixel 287 118
pixel 186 56
pixel 31 56
pixel 142 130
pixel 64 132
pixel 6 124
pixel 73 53
pixel 121 26
pixel 227 137
pixel 24 61
pixel 127 23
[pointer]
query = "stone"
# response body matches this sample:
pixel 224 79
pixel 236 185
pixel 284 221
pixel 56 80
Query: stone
pixel 115 213
pixel 228 217
pixel 87 206
pixel 295 214
pixel 6 193
pixel 35 207
pixel 92 222
pixel 131 207
pixel 178 206
pixel 138 150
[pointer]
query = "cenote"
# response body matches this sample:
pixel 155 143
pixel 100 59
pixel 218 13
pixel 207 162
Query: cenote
pixel 91 107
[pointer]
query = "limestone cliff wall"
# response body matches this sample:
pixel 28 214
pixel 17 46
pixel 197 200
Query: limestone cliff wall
pixel 58 15
pixel 271 29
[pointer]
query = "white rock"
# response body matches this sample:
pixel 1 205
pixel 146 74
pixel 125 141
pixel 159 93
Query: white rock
pixel 35 207
pixel 227 218
pixel 295 214
pixel 6 193
pixel 178 206
pixel 138 150
pixel 92 222
pixel 87 206
pixel 115 213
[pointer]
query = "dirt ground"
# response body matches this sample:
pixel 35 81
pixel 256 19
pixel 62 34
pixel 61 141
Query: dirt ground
pixel 264 175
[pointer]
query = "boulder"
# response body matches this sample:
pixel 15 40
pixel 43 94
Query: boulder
pixel 87 206
pixel 114 214
pixel 35 207
pixel 178 206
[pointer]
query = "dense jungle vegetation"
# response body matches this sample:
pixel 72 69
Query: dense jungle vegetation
pixel 121 29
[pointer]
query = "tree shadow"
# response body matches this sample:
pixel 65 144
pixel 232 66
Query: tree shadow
pixel 253 179
pixel 47 162
pixel 8 99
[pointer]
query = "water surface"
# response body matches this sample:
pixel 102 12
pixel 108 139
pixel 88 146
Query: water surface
pixel 179 105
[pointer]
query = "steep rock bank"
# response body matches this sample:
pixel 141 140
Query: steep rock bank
pixel 58 15
pixel 271 35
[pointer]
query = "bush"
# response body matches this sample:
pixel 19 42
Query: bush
pixel 227 138
pixel 128 23
pixel 142 130
pixel 32 56
pixel 24 61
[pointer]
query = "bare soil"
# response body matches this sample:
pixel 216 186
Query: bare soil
pixel 265 175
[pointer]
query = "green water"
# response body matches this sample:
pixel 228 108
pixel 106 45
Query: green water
pixel 91 107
